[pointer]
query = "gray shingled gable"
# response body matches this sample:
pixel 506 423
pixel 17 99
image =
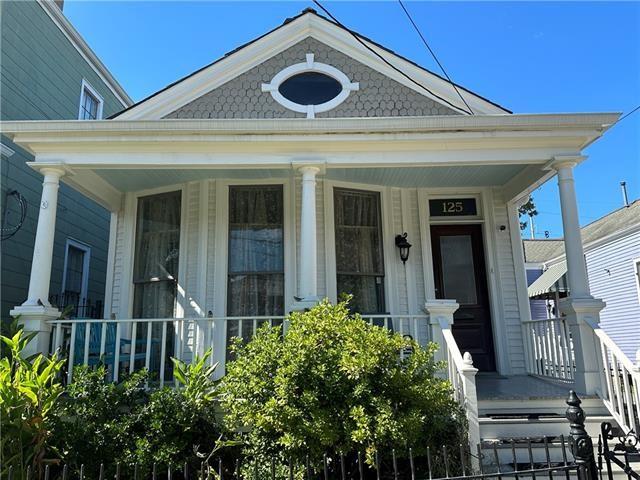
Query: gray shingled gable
pixel 378 96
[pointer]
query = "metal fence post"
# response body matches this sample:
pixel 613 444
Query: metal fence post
pixel 581 444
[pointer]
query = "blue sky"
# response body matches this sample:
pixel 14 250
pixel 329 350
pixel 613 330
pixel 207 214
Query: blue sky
pixel 533 57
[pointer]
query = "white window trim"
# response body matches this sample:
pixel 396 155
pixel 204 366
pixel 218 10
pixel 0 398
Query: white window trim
pixel 84 289
pixel 310 66
pixel 221 265
pixel 131 213
pixel 86 86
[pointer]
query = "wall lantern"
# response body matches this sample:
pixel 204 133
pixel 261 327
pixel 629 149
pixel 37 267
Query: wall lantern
pixel 403 246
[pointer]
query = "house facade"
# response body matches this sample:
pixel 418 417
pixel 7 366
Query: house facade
pixel 49 72
pixel 298 167
pixel 612 256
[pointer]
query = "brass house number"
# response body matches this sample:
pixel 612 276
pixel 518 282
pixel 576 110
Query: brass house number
pixel 453 207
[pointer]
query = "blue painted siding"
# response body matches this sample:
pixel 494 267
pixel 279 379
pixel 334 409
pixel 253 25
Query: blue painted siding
pixel 612 278
pixel 41 78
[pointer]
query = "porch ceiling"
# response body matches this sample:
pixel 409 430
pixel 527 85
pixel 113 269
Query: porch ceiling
pixel 131 180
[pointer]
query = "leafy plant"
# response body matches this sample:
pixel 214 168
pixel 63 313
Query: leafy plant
pixel 29 390
pixel 103 422
pixel 336 383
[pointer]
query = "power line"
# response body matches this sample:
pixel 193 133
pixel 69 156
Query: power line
pixel 426 44
pixel 626 115
pixel 364 44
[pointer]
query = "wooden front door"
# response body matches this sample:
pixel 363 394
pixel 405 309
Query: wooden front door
pixel 460 275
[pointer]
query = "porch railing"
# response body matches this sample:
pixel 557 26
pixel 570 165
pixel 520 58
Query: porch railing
pixel 127 345
pixel 550 349
pixel 462 375
pixel 621 381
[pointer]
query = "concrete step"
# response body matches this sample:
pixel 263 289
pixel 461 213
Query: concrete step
pixel 591 406
pixel 533 425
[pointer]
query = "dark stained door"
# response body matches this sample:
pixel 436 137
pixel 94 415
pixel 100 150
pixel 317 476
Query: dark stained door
pixel 460 274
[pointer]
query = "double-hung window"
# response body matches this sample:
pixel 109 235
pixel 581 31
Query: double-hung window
pixel 255 277
pixel 155 275
pixel 157 254
pixel 359 255
pixel 90 103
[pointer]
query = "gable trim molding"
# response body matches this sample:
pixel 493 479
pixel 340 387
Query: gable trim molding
pixel 312 25
pixel 68 30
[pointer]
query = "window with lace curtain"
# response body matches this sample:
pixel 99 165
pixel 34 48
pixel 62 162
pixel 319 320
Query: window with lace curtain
pixel 255 277
pixel 157 254
pixel 359 255
pixel 155 273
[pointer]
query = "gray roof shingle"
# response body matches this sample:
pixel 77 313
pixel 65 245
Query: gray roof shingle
pixel 540 251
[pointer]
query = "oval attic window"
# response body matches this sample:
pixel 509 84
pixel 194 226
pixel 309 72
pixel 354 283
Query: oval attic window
pixel 310 87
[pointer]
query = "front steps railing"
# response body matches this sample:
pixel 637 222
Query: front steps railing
pixel 621 381
pixel 551 355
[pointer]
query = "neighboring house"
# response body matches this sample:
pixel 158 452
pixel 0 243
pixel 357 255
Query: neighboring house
pixel 50 73
pixel 612 254
pixel 298 167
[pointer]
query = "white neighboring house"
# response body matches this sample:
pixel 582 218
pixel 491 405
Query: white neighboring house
pixel 612 254
pixel 288 171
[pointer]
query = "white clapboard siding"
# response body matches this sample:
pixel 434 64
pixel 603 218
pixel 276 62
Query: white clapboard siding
pixel 211 285
pixel 507 292
pixel 612 278
pixel 119 281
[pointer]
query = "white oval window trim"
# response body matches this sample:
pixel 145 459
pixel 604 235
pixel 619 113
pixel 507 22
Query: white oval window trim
pixel 310 66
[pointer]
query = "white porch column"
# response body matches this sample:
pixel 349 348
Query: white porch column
pixel 580 308
pixel 308 279
pixel 576 267
pixel 36 310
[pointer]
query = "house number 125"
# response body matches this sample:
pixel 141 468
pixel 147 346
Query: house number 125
pixel 452 207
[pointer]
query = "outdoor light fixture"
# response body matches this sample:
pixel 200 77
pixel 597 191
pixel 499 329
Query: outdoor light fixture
pixel 404 246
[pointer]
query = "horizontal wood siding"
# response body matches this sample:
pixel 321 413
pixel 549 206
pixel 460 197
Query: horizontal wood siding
pixel 41 78
pixel 612 278
pixel 507 292
pixel 120 274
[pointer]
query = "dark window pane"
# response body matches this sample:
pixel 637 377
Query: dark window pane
pixel 75 271
pixel 256 251
pixel 156 255
pixel 310 88
pixel 89 106
pixel 367 291
pixel 359 256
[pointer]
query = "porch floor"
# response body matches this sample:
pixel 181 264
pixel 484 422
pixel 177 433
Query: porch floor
pixel 491 386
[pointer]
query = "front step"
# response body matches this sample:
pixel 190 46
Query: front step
pixel 523 425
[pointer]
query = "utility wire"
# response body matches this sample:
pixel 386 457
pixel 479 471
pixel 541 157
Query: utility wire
pixel 364 44
pixel 626 115
pixel 433 54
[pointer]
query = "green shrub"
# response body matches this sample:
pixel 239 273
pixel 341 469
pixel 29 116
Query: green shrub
pixel 336 383
pixel 29 390
pixel 103 422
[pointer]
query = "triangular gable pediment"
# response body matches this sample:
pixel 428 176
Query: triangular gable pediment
pixel 231 86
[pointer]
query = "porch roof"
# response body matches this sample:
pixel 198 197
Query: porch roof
pixel 107 158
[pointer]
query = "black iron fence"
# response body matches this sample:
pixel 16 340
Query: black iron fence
pixel 72 305
pixel 562 458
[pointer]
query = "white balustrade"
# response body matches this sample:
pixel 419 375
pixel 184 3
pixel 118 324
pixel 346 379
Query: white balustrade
pixel 127 345
pixel 620 381
pixel 550 349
